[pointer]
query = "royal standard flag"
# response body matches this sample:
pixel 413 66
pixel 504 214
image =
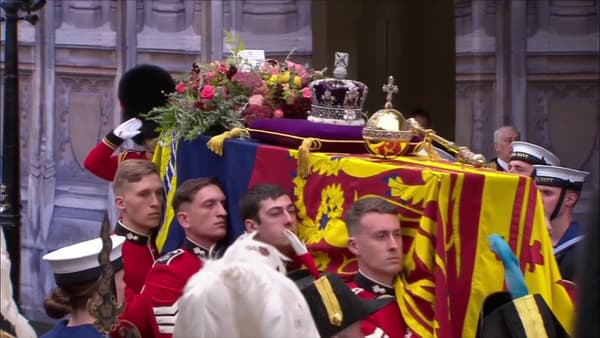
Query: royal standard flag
pixel 447 212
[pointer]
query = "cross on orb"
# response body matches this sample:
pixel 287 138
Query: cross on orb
pixel 390 88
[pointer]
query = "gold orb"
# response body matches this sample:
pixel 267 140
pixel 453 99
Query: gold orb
pixel 387 134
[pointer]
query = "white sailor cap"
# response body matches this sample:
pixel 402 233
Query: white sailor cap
pixel 78 263
pixel 532 154
pixel 559 177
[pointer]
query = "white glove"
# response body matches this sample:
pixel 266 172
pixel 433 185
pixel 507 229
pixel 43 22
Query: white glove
pixel 128 129
pixel 295 242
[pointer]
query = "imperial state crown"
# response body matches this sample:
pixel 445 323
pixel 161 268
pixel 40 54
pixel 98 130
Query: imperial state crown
pixel 338 100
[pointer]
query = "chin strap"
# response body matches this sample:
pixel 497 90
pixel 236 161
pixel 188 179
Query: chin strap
pixel 557 207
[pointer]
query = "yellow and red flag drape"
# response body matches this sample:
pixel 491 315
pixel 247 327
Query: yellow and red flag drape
pixel 447 212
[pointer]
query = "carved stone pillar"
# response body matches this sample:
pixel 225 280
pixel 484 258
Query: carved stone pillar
pixel 197 17
pixel 462 17
pixel 227 15
pixel 168 15
pixel 269 16
pixel 304 12
pixel 518 65
pixel 113 15
pixel 574 16
pixel 41 172
pixel 85 14
pixel 478 14
pixel 58 13
pixel 532 18
pixel 490 18
pixel 139 15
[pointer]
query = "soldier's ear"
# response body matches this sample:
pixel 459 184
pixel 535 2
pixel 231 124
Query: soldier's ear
pixel 183 219
pixel 353 246
pixel 250 225
pixel 120 202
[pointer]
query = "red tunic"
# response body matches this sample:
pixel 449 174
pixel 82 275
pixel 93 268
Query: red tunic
pixel 163 288
pixel 101 162
pixel 139 253
pixel 388 321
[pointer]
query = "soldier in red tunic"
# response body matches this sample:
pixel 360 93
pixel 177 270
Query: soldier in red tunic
pixel 139 196
pixel 140 89
pixel 376 240
pixel 199 206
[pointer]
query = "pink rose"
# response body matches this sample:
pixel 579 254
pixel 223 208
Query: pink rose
pixel 305 92
pixel 222 68
pixel 207 92
pixel 256 99
pixel 278 113
pixel 209 76
pixel 180 88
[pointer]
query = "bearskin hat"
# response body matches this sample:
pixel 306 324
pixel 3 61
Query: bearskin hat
pixel 140 89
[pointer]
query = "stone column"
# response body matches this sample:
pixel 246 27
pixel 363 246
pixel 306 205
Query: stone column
pixel 532 18
pixel 113 15
pixel 58 13
pixel 490 18
pixel 168 15
pixel 518 65
pixel 212 30
pixel 234 17
pixel 478 14
pixel 269 16
pixel 197 17
pixel 127 29
pixel 463 17
pixel 139 15
pixel 41 178
pixel 502 84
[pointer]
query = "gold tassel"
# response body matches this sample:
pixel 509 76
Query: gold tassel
pixel 307 145
pixel 215 144
pixel 428 145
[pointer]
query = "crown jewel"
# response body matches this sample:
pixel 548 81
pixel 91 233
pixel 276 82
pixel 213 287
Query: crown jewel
pixel 338 100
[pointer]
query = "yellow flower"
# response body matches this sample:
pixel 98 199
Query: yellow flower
pixel 284 77
pixel 297 81
pixel 273 79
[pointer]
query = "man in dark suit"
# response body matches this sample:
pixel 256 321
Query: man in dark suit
pixel 503 137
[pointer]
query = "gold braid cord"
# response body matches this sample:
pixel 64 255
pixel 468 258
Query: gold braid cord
pixel 463 154
pixel 106 308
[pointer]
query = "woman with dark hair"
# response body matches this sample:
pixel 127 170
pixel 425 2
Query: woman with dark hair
pixel 77 274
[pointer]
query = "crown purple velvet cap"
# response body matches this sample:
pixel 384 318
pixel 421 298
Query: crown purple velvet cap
pixel 346 93
pixel 290 133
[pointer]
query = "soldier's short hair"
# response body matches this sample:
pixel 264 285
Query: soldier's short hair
pixel 250 202
pixel 188 189
pixel 364 206
pixel 131 171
